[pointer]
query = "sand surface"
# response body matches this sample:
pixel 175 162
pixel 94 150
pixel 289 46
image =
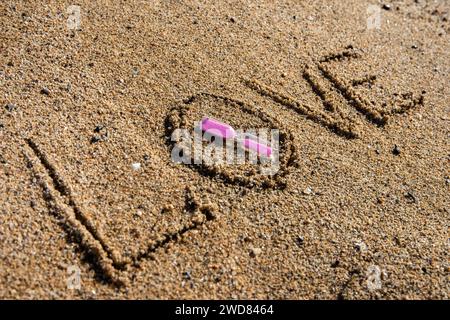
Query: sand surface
pixel 359 209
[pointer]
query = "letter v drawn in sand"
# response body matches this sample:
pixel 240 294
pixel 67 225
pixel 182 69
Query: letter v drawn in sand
pixel 62 201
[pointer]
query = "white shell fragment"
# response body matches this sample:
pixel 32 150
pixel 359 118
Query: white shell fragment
pixel 136 166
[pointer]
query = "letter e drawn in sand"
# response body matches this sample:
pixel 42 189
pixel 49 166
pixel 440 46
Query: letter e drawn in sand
pixel 337 95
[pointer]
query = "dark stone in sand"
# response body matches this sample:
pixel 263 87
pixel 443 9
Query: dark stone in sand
pixel 95 139
pixel 396 150
pixel 45 91
pixel 299 240
pixel 98 128
pixel 187 275
pixel 10 107
pixel 386 7
pixel 410 197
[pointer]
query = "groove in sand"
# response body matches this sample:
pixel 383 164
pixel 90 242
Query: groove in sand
pixel 60 199
pixel 314 114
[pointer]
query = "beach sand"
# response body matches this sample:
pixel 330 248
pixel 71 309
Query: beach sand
pixel 359 206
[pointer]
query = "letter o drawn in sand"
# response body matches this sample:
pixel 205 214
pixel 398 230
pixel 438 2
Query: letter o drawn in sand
pixel 183 121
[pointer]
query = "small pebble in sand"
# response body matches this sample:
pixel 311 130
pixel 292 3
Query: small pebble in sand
pixel 233 19
pixel 299 240
pixel 386 7
pixel 136 166
pixel 414 46
pixel 10 107
pixel 360 246
pixel 255 252
pixel 98 128
pixel 168 208
pixel 307 191
pixel 101 134
pixel 45 91
pixel 410 197
pixel 95 139
pixel 396 150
